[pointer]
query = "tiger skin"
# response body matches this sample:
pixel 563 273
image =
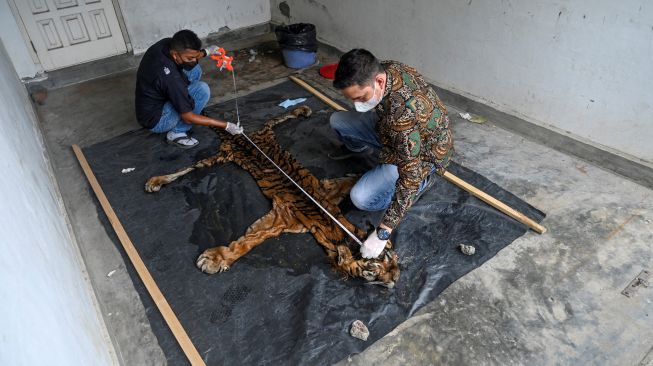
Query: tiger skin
pixel 292 211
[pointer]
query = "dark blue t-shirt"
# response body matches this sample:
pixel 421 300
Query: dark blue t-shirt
pixel 160 80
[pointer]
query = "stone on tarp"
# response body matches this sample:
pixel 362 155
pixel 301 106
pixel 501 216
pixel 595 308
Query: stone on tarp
pixel 467 249
pixel 359 330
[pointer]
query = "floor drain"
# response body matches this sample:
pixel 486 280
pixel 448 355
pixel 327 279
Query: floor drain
pixel 642 280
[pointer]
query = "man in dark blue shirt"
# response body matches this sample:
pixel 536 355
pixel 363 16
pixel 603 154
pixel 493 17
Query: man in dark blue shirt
pixel 169 94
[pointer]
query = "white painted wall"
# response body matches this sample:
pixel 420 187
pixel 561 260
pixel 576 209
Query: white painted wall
pixel 582 67
pixel 15 43
pixel 47 313
pixel 149 21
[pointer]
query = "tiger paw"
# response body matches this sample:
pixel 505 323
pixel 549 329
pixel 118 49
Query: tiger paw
pixel 154 184
pixel 212 262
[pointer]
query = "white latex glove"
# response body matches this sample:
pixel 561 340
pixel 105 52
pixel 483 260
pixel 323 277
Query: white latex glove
pixel 233 128
pixel 211 50
pixel 373 246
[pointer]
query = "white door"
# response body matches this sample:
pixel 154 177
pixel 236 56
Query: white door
pixel 70 32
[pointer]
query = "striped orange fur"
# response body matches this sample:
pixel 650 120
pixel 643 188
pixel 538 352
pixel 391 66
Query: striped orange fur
pixel 291 212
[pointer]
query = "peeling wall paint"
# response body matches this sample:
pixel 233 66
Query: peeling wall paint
pixel 581 67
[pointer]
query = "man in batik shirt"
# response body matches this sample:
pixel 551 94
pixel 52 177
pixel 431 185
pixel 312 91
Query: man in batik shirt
pixel 400 114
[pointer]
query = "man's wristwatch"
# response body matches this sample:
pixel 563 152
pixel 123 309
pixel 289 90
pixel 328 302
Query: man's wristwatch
pixel 382 233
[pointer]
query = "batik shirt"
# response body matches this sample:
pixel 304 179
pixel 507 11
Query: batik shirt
pixel 414 131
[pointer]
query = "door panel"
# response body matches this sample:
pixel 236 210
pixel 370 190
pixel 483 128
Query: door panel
pixel 69 32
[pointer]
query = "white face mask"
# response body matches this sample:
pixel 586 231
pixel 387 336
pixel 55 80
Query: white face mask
pixel 368 105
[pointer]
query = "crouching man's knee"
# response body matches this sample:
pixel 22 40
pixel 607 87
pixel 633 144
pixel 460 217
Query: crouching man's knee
pixel 338 120
pixel 366 200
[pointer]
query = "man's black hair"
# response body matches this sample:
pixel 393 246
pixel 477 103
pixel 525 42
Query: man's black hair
pixel 185 39
pixel 356 67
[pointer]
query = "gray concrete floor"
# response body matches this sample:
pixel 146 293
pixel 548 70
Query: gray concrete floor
pixel 544 300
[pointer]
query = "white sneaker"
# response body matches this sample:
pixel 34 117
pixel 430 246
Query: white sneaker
pixel 181 139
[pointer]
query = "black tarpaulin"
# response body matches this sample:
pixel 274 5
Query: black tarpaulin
pixel 281 303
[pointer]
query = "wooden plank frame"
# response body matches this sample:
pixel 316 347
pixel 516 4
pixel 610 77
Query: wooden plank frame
pixel 168 314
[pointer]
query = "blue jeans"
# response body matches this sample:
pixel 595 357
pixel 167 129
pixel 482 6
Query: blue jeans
pixel 376 188
pixel 198 90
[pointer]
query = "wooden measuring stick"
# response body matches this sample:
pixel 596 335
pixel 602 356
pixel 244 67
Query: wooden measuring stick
pixel 495 203
pixel 447 175
pixel 161 303
pixel 317 93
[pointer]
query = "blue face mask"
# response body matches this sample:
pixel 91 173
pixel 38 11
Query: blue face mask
pixel 370 104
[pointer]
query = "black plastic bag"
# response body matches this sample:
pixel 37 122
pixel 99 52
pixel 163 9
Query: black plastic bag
pixel 299 37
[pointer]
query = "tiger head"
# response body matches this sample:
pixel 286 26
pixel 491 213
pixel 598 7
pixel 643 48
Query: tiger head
pixel 383 270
